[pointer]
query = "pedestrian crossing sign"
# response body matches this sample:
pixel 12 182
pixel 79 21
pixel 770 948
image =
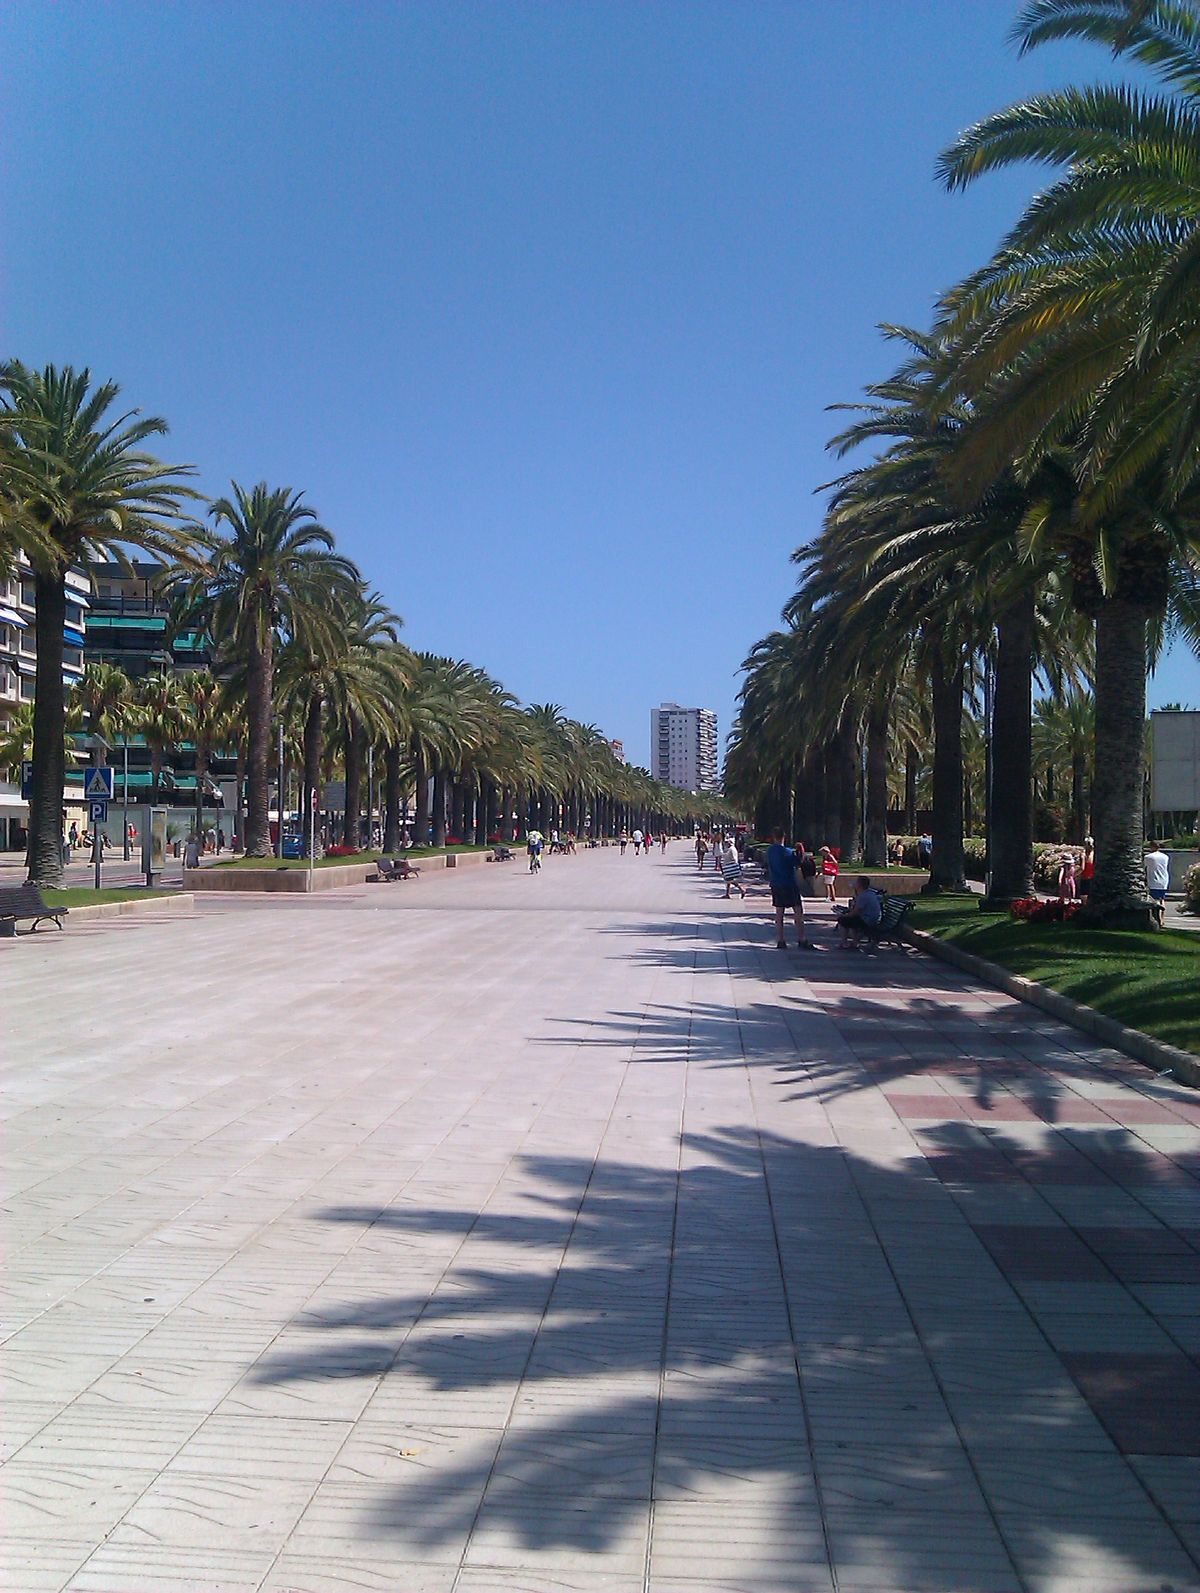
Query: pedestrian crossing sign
pixel 98 784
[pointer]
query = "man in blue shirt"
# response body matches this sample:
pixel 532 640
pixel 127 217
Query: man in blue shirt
pixel 782 862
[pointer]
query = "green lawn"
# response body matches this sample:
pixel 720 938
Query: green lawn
pixel 86 896
pixel 1148 979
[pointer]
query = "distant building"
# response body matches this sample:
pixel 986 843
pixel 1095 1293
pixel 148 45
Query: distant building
pixel 618 750
pixel 128 623
pixel 683 747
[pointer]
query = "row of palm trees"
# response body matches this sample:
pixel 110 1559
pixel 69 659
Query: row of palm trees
pixel 305 651
pixel 1031 512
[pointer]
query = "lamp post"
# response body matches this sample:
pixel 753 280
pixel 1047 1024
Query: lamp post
pixel 125 792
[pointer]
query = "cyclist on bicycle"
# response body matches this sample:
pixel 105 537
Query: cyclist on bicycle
pixel 533 845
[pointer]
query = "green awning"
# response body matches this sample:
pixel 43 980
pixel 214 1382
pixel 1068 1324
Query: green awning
pixel 127 622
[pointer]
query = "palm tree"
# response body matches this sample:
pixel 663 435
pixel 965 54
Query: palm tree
pixel 204 715
pixel 1082 329
pixel 267 574
pixel 84 490
pixel 159 715
pixel 103 695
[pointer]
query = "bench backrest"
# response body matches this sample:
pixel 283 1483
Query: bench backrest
pixel 895 909
pixel 23 901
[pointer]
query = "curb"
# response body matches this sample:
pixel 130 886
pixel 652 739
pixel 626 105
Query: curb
pixel 1145 1048
pixel 177 899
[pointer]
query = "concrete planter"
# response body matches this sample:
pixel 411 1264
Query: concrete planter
pixel 893 884
pixel 1181 861
pixel 290 881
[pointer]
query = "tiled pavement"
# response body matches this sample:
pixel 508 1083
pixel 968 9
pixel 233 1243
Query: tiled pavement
pixel 495 1234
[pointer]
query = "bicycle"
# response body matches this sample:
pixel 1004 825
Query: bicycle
pixel 535 861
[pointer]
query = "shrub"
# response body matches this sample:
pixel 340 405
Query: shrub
pixel 1191 889
pixel 341 850
pixel 975 856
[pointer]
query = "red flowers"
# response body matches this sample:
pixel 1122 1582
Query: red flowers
pixel 1032 910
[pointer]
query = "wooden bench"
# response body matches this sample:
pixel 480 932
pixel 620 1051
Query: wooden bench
pixel 895 909
pixel 399 868
pixel 19 902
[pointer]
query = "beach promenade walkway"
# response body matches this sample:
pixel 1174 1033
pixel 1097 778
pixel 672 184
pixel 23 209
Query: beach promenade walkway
pixel 501 1233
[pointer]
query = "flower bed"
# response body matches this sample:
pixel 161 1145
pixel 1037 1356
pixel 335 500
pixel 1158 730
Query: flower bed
pixel 1032 910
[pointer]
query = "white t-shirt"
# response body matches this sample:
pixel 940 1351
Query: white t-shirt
pixel 1158 871
pixel 637 837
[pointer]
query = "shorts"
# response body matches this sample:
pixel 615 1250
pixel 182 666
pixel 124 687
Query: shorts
pixel 785 895
pixel 1159 896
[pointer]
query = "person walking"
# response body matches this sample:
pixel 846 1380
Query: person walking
pixel 701 848
pixel 662 842
pixel 1158 879
pixel 731 868
pixel 1087 869
pixel 637 843
pixel 623 842
pixel 1066 878
pixel 785 890
pixel 191 852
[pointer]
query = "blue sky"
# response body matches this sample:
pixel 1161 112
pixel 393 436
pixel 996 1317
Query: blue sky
pixel 541 304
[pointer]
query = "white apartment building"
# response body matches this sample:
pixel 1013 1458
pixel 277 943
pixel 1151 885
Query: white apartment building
pixel 683 747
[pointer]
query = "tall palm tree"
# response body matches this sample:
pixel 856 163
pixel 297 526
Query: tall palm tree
pixel 85 491
pixel 1083 328
pixel 267 573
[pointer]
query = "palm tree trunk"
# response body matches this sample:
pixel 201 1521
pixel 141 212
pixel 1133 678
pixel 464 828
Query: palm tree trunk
pixel 392 835
pixel 439 808
pixel 44 852
pixel 201 771
pixel 947 871
pixel 259 688
pixel 847 752
pixel 1010 812
pixel 420 802
pixel 1078 799
pixel 1118 894
pixel 353 753
pixel 239 800
pixel 832 801
pixel 912 764
pixel 314 746
pixel 875 851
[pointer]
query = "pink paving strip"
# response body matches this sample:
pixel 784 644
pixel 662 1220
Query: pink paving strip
pixel 1002 1108
pixel 936 1106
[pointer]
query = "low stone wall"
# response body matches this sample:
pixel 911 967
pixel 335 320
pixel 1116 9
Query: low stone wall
pixel 293 881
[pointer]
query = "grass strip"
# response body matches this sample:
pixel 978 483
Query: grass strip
pixel 1147 979
pixel 88 896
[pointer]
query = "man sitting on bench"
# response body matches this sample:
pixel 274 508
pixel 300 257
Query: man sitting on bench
pixel 861 915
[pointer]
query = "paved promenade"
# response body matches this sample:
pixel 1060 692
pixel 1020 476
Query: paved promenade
pixel 498 1233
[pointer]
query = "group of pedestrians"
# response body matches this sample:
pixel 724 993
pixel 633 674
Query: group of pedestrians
pixel 791 872
pixel 643 841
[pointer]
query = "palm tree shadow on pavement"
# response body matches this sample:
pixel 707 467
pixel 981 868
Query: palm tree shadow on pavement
pixel 778 1342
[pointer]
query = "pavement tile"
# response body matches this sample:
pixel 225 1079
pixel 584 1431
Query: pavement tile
pixel 456 1306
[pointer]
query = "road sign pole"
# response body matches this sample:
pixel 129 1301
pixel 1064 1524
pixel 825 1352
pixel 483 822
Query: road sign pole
pixel 97 852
